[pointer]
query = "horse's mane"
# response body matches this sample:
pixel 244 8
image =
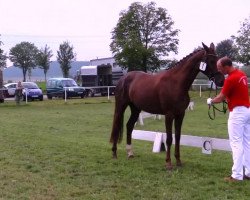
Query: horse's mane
pixel 186 57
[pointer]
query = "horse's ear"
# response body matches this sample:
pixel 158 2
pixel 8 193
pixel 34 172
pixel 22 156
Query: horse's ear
pixel 212 46
pixel 205 47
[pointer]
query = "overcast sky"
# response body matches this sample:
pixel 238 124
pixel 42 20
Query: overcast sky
pixel 87 24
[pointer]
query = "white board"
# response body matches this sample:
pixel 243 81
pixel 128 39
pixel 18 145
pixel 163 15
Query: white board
pixel 186 140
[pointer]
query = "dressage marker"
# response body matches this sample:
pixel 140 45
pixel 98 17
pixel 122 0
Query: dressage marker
pixel 144 115
pixel 190 105
pixel 207 144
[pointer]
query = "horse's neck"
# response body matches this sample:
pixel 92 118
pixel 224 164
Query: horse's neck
pixel 189 69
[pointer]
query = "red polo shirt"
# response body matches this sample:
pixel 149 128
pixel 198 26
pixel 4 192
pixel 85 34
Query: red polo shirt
pixel 236 89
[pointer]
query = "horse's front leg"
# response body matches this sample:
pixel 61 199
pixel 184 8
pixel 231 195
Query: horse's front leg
pixel 178 124
pixel 169 140
pixel 130 126
pixel 114 150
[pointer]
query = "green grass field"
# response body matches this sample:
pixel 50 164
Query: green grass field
pixel 58 150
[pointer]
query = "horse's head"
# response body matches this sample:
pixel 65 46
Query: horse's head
pixel 208 65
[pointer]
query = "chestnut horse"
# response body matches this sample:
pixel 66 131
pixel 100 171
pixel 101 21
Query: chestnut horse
pixel 165 93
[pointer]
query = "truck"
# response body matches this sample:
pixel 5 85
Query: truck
pixel 96 79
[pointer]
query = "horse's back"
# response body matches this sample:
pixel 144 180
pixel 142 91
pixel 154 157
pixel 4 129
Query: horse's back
pixel 129 78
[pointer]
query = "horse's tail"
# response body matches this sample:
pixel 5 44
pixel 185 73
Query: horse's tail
pixel 117 131
pixel 120 106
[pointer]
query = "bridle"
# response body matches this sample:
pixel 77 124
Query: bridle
pixel 212 75
pixel 213 107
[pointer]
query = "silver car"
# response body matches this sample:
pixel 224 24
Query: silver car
pixel 11 88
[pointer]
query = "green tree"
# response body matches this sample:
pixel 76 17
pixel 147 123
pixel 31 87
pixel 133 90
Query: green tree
pixel 65 56
pixel 3 59
pixel 23 55
pixel 243 42
pixel 247 71
pixel 143 37
pixel 226 48
pixel 43 59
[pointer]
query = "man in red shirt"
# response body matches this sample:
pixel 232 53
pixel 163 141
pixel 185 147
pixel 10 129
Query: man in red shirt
pixel 235 91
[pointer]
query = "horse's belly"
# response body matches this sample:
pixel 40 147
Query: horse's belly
pixel 155 106
pixel 148 104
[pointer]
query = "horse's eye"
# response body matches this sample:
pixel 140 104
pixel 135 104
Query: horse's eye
pixel 212 62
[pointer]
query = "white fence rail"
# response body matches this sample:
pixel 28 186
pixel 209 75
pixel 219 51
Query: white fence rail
pixel 97 87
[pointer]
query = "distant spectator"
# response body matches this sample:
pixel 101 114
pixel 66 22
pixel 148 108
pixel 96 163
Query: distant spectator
pixel 18 92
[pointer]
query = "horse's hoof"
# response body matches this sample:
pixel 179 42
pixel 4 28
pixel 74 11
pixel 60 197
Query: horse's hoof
pixel 130 153
pixel 130 156
pixel 178 164
pixel 114 156
pixel 169 167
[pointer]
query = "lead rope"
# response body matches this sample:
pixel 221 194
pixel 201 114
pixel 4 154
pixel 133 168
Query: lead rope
pixel 224 104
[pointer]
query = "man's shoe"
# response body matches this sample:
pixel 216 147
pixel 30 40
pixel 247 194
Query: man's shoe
pixel 230 179
pixel 246 177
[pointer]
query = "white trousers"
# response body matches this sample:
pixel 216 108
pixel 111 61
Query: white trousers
pixel 239 137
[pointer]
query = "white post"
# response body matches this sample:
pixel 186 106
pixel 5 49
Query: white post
pixel 140 119
pixel 200 90
pixel 26 95
pixel 65 95
pixel 157 142
pixel 108 92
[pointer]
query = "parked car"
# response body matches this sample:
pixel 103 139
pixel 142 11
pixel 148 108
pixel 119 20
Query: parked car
pixel 5 94
pixel 56 87
pixel 10 89
pixel 32 91
pixel 2 99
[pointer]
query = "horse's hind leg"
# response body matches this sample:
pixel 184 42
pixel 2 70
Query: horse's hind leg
pixel 135 112
pixel 178 124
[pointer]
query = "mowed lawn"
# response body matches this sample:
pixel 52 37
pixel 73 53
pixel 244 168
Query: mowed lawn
pixel 58 150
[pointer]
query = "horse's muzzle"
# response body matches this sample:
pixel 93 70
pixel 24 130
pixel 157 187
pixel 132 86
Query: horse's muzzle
pixel 218 78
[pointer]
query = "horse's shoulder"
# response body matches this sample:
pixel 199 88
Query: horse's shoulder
pixel 164 76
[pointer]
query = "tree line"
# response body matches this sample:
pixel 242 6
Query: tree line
pixel 27 56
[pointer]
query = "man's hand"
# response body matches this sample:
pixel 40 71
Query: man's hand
pixel 209 101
